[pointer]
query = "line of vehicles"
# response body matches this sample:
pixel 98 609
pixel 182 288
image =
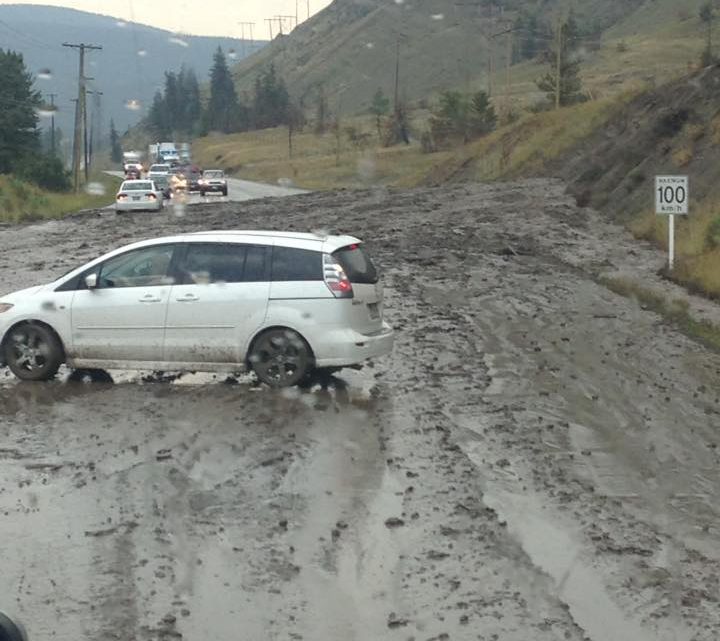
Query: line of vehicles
pixel 169 174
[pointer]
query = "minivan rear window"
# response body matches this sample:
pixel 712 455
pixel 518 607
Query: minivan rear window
pixel 357 264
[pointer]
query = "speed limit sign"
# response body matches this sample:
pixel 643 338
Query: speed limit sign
pixel 671 195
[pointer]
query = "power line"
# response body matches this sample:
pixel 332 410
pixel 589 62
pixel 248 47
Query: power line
pixel 28 37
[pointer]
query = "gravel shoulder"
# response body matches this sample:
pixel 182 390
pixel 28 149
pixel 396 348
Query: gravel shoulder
pixel 538 459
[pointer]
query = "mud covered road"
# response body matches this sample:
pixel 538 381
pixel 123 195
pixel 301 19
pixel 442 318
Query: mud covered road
pixel 538 459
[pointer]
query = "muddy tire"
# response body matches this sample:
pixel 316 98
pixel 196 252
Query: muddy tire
pixel 33 352
pixel 280 357
pixel 9 631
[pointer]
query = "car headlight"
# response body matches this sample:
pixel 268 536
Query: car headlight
pixel 4 307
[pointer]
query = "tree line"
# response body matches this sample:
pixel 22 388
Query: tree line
pixel 179 109
pixel 21 149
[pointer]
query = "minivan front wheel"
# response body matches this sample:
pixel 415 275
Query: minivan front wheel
pixel 280 357
pixel 33 352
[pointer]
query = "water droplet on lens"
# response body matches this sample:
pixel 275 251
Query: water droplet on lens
pixel 178 41
pixel 133 105
pixel 95 189
pixel 121 23
pixel 370 45
pixel 44 74
pixel 46 111
pixel 285 182
pixel 232 54
pixel 142 53
pixel 438 16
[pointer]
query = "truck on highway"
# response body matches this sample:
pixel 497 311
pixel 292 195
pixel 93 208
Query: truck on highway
pixel 132 165
pixel 163 152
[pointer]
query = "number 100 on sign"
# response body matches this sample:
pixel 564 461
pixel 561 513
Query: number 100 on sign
pixel 671 195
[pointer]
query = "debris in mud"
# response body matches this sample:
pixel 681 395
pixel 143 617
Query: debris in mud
pixel 436 555
pixel 272 461
pixel 128 525
pixel 163 455
pixel 394 522
pixel 395 622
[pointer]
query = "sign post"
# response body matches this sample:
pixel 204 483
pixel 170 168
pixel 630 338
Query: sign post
pixel 671 198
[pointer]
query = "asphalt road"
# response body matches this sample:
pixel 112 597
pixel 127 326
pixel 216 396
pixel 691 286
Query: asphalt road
pixel 238 191
pixel 538 459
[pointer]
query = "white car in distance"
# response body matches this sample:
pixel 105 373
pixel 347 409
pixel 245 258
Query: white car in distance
pixel 278 303
pixel 138 195
pixel 161 169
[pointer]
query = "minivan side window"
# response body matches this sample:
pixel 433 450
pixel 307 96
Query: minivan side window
pixel 214 263
pixel 145 267
pixel 255 264
pixel 290 264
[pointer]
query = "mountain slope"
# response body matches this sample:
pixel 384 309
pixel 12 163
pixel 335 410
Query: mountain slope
pixel 350 47
pixel 130 66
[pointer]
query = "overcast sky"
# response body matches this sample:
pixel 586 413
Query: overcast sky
pixel 196 17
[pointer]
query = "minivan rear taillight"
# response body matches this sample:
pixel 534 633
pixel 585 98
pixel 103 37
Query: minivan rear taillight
pixel 335 278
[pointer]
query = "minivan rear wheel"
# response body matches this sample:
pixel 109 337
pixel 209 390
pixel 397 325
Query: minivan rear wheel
pixel 280 357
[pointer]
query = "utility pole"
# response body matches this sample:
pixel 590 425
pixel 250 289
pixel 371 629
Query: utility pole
pixel 250 29
pixel 308 9
pixel 95 114
pixel 290 19
pixel 396 98
pixel 52 97
pixel 75 149
pixel 558 76
pixel 80 112
pixel 507 68
pixel 270 21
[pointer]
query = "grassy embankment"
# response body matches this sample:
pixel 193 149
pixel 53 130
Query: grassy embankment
pixel 23 202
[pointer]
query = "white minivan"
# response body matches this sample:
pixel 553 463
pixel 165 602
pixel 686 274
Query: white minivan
pixel 278 303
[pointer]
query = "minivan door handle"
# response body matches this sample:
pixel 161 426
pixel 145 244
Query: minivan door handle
pixel 188 298
pixel 150 298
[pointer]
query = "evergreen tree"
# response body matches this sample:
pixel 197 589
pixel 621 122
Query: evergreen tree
pixel 19 135
pixel 569 73
pixel 707 17
pixel 322 111
pixel 192 107
pixel 223 111
pixel 272 102
pixel 116 152
pixel 379 108
pixel 483 118
pixel 173 102
pixel 529 35
pixel 157 117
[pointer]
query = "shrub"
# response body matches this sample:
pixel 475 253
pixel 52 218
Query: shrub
pixel 45 171
pixel 712 233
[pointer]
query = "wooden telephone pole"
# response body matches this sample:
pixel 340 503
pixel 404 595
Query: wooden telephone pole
pixel 80 113
pixel 558 75
pixel 52 97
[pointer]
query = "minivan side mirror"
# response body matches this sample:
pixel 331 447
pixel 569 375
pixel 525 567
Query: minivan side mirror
pixel 91 281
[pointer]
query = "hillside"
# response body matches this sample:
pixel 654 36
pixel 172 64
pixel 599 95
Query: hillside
pixel 351 46
pixel 130 66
